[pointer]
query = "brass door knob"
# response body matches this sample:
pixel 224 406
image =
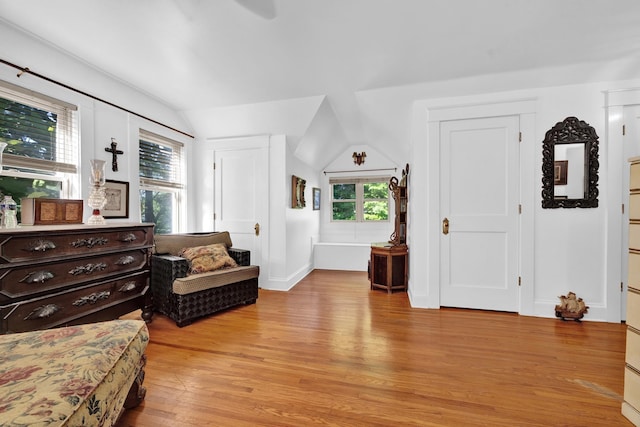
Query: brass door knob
pixel 445 226
pixel 257 229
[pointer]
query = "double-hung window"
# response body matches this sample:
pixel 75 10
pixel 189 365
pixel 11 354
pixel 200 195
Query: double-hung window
pixel 41 136
pixel 161 182
pixel 360 199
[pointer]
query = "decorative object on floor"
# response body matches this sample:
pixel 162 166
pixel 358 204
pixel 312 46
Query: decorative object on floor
pixel 316 199
pixel 358 158
pixel 297 192
pixel 97 198
pixel 399 193
pixel 571 307
pixel 114 154
pixel 575 142
pixel 117 195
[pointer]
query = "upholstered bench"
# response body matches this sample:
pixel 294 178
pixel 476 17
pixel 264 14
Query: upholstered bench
pixel 72 376
pixel 184 295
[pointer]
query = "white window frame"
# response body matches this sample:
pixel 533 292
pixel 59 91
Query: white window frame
pixel 175 185
pixel 359 200
pixel 66 169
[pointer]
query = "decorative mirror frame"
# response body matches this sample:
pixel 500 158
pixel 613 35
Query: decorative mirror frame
pixel 570 131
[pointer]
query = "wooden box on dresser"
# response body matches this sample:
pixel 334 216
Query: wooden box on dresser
pixel 631 404
pixel 70 274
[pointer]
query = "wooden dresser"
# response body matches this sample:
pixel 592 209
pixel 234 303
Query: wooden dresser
pixel 631 404
pixel 69 274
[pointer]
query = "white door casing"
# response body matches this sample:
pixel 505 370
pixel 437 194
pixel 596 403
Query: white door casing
pixel 479 193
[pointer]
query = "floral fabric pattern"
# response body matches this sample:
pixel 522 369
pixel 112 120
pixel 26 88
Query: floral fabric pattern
pixel 207 258
pixel 72 376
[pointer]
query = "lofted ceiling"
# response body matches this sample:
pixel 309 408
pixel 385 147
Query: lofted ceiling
pixel 208 54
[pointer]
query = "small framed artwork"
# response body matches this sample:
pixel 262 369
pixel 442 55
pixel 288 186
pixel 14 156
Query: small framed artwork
pixel 316 199
pixel 117 194
pixel 560 172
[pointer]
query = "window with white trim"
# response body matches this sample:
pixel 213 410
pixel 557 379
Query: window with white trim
pixel 360 199
pixel 161 186
pixel 42 151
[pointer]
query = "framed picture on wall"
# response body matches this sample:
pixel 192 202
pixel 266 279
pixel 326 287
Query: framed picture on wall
pixel 117 194
pixel 316 199
pixel 560 172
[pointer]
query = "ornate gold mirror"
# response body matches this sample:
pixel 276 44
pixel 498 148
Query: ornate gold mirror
pixel 570 165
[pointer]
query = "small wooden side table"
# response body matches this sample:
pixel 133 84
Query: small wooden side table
pixel 389 267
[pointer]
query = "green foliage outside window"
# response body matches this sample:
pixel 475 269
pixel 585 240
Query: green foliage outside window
pixel 157 207
pixel 28 131
pixel 373 198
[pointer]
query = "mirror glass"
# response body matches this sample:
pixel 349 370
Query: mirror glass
pixel 570 165
pixel 569 171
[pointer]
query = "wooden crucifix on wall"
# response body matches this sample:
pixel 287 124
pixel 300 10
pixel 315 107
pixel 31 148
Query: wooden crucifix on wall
pixel 114 154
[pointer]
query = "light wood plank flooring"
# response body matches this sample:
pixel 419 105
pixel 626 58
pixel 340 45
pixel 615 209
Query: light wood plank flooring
pixel 331 352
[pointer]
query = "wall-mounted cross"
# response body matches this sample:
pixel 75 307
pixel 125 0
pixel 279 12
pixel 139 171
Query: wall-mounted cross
pixel 114 154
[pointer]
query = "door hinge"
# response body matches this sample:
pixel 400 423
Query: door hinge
pixel 520 209
pixel 623 209
pixel 624 130
pixel 215 216
pixel 519 280
pixel 621 286
pixel 519 136
pixel 214 165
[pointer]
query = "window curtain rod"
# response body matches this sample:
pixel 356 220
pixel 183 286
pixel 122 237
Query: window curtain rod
pixel 24 70
pixel 363 170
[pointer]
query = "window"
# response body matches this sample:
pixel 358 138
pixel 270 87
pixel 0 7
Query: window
pixel 360 200
pixel 41 133
pixel 161 187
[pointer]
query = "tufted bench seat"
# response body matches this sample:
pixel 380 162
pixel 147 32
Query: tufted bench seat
pixel 185 297
pixel 83 375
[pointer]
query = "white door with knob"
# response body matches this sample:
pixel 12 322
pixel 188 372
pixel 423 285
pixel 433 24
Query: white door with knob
pixel 479 193
pixel 241 188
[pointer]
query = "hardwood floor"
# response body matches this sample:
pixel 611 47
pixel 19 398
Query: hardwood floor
pixel 332 352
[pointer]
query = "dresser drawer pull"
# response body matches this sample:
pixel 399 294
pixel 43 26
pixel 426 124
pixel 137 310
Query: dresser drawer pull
pixel 43 311
pixel 87 268
pixel 37 277
pixel 92 299
pixel 125 260
pixel 40 245
pixel 90 242
pixel 128 287
pixel 128 238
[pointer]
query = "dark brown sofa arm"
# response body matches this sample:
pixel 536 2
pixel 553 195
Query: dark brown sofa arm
pixel 241 256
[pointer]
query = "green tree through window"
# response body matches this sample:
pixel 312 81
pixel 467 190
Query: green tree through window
pixel 360 200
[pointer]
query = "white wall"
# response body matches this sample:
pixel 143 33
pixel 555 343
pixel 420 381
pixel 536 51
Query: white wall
pixel 99 122
pixel 570 245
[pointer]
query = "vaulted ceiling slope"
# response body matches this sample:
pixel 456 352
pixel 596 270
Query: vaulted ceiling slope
pixel 206 55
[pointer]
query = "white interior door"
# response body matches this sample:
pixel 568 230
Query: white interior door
pixel 241 195
pixel 479 179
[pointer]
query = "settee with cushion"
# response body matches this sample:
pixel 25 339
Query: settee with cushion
pixel 83 375
pixel 197 274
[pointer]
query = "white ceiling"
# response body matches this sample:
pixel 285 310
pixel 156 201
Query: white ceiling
pixel 195 54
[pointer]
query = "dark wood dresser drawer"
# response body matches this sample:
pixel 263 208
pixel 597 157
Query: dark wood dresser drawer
pixel 57 275
pixel 65 307
pixel 28 246
pixel 27 281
